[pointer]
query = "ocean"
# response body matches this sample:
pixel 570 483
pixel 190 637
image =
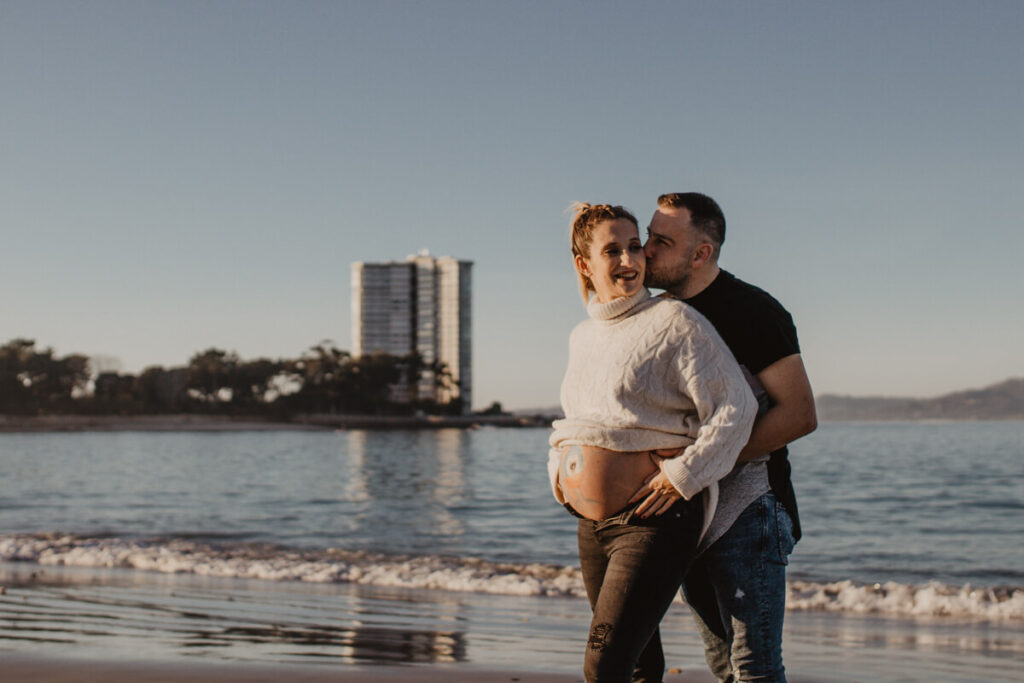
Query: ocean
pixel 914 523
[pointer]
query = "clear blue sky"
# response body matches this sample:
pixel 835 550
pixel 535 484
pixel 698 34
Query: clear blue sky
pixel 181 175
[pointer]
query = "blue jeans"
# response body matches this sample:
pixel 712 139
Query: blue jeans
pixel 737 591
pixel 632 569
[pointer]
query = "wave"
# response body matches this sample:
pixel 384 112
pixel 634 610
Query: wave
pixel 930 599
pixel 439 572
pixel 274 563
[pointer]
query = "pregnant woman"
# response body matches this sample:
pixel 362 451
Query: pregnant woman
pixel 647 377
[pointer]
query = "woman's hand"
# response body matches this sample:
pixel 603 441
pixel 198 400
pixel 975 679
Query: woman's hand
pixel 659 492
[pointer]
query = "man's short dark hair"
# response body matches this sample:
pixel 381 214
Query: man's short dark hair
pixel 705 214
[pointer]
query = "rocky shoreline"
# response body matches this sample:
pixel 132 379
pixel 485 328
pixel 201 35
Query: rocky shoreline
pixel 225 423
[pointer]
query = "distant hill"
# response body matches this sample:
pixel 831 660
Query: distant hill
pixel 1003 401
pixel 550 413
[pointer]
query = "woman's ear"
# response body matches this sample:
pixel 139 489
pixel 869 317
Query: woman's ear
pixel 581 265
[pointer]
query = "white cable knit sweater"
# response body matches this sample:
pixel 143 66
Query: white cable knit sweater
pixel 647 373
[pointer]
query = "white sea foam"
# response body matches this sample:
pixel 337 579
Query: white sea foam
pixel 932 599
pixel 255 561
pixel 276 564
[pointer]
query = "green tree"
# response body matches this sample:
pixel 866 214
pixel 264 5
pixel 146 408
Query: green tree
pixel 15 394
pixel 211 376
pixel 35 381
pixel 251 381
pixel 113 393
pixel 162 391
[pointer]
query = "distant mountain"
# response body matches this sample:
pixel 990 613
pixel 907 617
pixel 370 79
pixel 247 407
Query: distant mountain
pixel 1003 401
pixel 549 413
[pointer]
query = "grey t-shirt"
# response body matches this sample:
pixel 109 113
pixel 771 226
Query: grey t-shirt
pixel 745 483
pixel 736 491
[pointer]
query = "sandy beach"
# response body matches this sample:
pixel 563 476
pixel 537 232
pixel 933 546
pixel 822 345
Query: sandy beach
pixel 87 671
pixel 79 625
pixel 64 624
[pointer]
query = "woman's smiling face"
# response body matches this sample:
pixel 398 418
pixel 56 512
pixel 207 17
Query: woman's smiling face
pixel 616 262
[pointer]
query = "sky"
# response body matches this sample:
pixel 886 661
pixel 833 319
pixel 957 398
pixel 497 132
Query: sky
pixel 176 176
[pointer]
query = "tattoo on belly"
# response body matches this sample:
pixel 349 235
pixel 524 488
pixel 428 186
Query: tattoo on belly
pixel 572 466
pixel 572 462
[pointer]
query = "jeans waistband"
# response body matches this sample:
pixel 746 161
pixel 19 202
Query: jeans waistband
pixel 621 517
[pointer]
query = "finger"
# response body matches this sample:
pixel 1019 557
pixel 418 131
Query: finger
pixel 666 503
pixel 650 500
pixel 642 491
pixel 652 503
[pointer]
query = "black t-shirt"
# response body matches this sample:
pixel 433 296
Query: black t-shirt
pixel 759 332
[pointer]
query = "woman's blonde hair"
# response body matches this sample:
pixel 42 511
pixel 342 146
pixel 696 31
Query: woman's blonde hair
pixel 586 217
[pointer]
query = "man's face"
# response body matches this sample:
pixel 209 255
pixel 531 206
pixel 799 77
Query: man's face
pixel 671 241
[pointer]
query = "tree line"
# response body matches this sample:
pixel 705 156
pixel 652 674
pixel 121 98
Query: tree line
pixel 324 379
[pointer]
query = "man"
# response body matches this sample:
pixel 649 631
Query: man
pixel 737 586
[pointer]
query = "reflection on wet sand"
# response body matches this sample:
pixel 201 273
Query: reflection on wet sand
pixel 119 615
pixel 106 610
pixel 376 644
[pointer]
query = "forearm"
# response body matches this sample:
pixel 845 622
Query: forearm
pixel 775 429
pixel 792 413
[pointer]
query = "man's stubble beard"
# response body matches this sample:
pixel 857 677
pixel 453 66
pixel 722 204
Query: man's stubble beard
pixel 674 280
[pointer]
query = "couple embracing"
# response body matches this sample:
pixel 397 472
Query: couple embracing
pixel 672 452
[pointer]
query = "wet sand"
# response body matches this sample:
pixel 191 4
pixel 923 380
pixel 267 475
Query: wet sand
pixel 79 624
pixel 85 671
pixel 63 624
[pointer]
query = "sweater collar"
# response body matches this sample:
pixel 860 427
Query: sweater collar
pixel 616 307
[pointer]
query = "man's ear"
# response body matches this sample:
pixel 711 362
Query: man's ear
pixel 704 252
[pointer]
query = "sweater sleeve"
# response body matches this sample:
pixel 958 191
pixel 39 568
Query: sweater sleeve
pixel 554 460
pixel 726 408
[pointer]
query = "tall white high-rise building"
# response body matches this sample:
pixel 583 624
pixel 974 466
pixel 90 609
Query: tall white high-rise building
pixel 422 305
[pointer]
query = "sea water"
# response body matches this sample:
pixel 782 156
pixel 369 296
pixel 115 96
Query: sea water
pixel 902 519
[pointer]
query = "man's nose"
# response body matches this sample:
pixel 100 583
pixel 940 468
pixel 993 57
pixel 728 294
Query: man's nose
pixel 648 249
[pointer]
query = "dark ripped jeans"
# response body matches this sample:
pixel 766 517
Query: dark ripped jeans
pixel 632 569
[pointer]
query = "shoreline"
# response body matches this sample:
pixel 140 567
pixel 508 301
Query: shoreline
pixel 116 626
pixel 179 422
pixel 186 422
pixel 88 625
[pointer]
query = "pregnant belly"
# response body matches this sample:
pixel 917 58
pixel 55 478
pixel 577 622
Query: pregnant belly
pixel 598 483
